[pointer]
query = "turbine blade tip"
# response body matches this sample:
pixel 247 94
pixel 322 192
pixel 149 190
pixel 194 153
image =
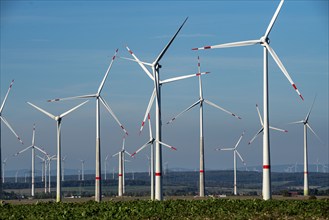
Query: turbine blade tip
pixel 195 49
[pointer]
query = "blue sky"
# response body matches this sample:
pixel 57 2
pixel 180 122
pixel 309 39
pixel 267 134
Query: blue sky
pixel 61 49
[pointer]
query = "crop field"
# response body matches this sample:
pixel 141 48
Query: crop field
pixel 171 209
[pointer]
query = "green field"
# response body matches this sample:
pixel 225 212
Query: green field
pixel 171 209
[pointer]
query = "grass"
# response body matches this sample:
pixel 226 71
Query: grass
pixel 188 208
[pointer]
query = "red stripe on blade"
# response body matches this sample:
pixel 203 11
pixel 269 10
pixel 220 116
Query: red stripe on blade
pixel 98 178
pixel 207 47
pixel 157 174
pixel 201 171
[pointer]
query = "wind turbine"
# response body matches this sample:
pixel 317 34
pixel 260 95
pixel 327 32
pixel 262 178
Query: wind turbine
pixel 44 161
pixel 4 162
pixel 63 168
pixel 58 119
pixel 2 118
pixel 32 147
pixel 235 152
pixel 105 165
pixel 98 190
pixel 200 103
pixel 149 164
pixel 82 170
pixel 151 144
pixel 155 66
pixel 49 169
pixel 262 128
pixel 264 41
pixel 16 174
pixel 121 173
pixel 307 125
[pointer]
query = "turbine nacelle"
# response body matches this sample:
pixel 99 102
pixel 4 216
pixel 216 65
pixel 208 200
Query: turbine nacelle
pixel 264 39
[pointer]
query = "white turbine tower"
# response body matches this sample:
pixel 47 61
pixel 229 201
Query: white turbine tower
pixel 307 125
pixel 49 171
pixel 82 170
pixel 58 119
pixel 10 128
pixel 264 41
pixel 235 152
pixel 200 103
pixel 63 167
pixel 98 190
pixel 44 168
pixel 262 128
pixel 121 173
pixel 32 147
pixel 4 163
pixel 105 165
pixel 151 160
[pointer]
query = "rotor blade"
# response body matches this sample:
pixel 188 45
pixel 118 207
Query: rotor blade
pixel 237 152
pixel 11 129
pixel 127 153
pixel 116 154
pixel 224 110
pixel 239 140
pixel 25 149
pixel 308 125
pixel 42 151
pixel 309 112
pixel 224 149
pixel 157 87
pixel 260 117
pixel 269 28
pixel 147 111
pixel 187 109
pixel 141 148
pixel 113 115
pixel 107 73
pixel 150 126
pixel 164 144
pixel 283 69
pixel 182 77
pixel 256 135
pixel 33 135
pixel 169 43
pixel 227 45
pixel 141 64
pixel 123 143
pixel 278 129
pixel 40 158
pixel 73 97
pixel 6 96
pixel 72 109
pixel 297 122
pixel 43 111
